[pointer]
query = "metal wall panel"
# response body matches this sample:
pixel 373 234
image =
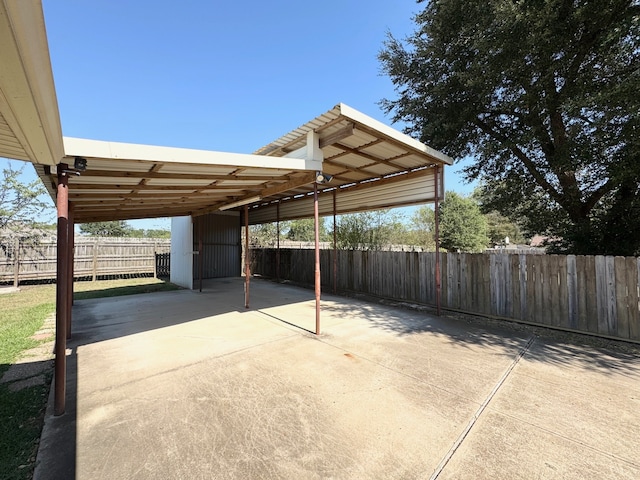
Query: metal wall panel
pixel 403 191
pixel 181 252
pixel 221 245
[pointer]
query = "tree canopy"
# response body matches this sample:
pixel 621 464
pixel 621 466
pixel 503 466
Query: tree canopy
pixel 543 95
pixel 371 230
pixel 462 225
pixel 20 203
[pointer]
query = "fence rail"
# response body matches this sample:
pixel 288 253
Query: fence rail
pixel 94 257
pixel 593 294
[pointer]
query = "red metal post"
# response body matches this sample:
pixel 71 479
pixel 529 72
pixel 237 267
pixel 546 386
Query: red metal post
pixel 316 221
pixel 70 260
pixel 278 242
pixel 62 204
pixel 437 240
pixel 335 245
pixel 200 252
pixel 247 257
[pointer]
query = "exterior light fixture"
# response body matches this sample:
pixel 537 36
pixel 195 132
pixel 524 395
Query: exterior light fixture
pixel 80 164
pixel 323 177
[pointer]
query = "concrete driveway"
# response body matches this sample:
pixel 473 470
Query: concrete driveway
pixel 188 385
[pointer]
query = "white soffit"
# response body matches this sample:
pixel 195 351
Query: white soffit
pixel 29 118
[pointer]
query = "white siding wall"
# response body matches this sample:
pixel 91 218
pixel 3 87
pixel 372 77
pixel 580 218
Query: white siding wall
pixel 182 251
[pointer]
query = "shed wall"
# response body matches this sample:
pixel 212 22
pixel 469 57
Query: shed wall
pixel 221 245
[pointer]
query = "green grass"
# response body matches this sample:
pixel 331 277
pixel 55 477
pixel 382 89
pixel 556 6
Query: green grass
pixel 21 315
pixel 22 416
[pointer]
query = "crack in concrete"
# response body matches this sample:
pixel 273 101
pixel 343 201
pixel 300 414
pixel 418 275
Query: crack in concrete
pixel 445 460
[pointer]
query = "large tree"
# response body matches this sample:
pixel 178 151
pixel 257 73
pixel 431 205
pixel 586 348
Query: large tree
pixel 543 94
pixel 462 225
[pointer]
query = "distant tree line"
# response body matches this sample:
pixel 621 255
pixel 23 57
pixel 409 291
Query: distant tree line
pixel 120 228
pixel 463 227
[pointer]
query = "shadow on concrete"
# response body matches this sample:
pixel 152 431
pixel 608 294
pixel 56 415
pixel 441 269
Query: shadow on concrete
pixel 56 458
pixel 552 346
pixel 219 296
pixel 97 320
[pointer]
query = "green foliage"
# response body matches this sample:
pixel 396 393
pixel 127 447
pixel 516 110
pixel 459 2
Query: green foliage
pixel 543 95
pixel 21 315
pixel 157 233
pixel 303 230
pixel 20 203
pixel 120 228
pixel 500 227
pixel 462 225
pixel 266 234
pixel 371 230
pixel 115 228
pixel 22 415
pixel 150 233
pixel 423 228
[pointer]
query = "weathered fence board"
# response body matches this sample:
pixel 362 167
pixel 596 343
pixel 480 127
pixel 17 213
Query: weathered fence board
pixel 589 294
pixel 93 257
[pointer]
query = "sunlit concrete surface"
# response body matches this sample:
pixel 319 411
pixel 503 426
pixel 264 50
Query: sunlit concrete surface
pixel 188 385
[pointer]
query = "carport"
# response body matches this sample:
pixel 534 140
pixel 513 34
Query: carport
pixel 342 161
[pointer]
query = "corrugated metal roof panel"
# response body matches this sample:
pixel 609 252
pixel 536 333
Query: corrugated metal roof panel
pixel 408 189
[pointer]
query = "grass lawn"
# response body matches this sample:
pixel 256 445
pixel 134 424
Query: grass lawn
pixel 21 315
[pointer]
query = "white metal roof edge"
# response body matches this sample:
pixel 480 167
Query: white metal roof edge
pixel 356 116
pixel 390 132
pixel 27 87
pixel 82 147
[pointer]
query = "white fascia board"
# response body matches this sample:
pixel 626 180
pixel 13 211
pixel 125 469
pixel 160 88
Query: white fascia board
pixel 390 132
pixel 81 147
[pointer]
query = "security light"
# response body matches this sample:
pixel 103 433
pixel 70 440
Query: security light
pixel 323 177
pixel 80 164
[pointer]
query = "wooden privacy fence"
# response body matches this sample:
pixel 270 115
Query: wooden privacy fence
pixel 94 257
pixel 592 294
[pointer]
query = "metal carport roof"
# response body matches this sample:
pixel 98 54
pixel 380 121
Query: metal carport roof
pixel 372 165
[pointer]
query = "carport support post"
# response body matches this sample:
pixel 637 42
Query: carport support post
pixel 62 204
pixel 437 228
pixel 247 270
pixel 335 245
pixel 200 252
pixel 278 242
pixel 316 222
pixel 70 260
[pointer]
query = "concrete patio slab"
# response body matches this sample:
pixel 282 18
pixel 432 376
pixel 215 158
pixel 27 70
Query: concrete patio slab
pixel 193 385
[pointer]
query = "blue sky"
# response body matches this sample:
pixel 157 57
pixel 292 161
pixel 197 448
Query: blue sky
pixel 228 76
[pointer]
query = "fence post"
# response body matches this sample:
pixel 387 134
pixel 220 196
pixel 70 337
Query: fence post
pixel 155 260
pixel 95 261
pixel 16 262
